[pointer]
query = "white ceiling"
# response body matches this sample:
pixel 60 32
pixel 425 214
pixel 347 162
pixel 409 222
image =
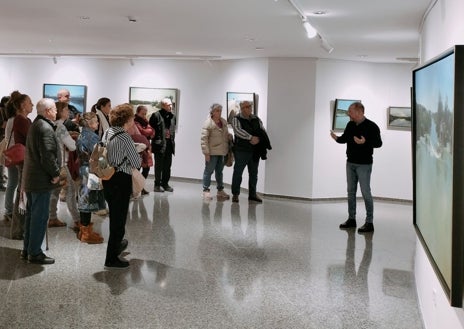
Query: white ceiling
pixel 360 30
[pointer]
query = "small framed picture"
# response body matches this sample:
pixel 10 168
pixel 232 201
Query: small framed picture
pixel 399 117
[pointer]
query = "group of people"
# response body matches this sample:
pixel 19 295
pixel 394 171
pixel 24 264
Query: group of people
pixel 49 165
pixel 251 143
pixel 38 180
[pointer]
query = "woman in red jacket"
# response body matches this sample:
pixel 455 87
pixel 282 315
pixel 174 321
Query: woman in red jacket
pixel 141 122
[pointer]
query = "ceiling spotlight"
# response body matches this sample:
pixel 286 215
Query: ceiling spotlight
pixel 132 19
pixel 311 32
pixel 326 45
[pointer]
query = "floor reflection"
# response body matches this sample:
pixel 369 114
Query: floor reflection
pixel 196 264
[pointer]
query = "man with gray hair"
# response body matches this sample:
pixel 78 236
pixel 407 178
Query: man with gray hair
pixel 42 163
pixel 250 144
pixel 163 145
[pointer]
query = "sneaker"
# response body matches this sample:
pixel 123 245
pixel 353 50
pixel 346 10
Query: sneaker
pixel 222 195
pixel 207 195
pixel 158 189
pixel 350 223
pixel 255 198
pixel 366 228
pixel 40 259
pixel 168 188
pixel 235 198
pixel 117 264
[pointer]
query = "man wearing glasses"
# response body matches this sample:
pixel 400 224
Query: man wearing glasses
pixel 250 144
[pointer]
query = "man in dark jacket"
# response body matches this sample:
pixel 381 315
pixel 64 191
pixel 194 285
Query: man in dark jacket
pixel 41 172
pixel 361 136
pixel 163 144
pixel 250 143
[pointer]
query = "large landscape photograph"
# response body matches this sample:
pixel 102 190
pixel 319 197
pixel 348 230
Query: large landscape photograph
pixel 433 141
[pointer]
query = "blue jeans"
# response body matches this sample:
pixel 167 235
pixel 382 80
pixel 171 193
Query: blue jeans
pixel 13 178
pixel 242 160
pixel 216 164
pixel 359 173
pixel 34 228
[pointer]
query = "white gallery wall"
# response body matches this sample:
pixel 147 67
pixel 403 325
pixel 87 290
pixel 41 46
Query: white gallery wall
pixel 291 91
pixel 295 102
pixel 442 29
pixel 378 86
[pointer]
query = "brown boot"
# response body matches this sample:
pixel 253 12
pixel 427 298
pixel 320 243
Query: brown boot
pixel 77 227
pixel 88 235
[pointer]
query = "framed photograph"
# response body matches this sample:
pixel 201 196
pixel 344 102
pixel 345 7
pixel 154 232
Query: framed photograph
pixel 151 97
pixel 399 117
pixel 233 103
pixel 78 94
pixel 340 114
pixel 438 179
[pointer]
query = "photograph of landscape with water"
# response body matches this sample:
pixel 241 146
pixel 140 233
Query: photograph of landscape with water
pixel 399 117
pixel 433 142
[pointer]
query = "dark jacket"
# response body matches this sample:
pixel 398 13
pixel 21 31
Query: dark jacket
pixel 42 160
pixel 160 121
pixel 361 153
pixel 253 127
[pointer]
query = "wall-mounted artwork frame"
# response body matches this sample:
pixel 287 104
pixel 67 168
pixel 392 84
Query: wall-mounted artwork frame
pixel 340 113
pixel 233 100
pixel 399 117
pixel 151 97
pixel 438 179
pixel 78 94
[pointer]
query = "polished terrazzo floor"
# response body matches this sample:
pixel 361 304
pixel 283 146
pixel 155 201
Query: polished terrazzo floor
pixel 280 264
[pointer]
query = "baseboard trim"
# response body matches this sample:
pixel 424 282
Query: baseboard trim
pixel 289 197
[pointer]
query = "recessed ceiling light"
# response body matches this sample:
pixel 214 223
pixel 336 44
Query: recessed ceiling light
pixel 259 48
pixel 319 12
pixel 84 17
pixel 178 53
